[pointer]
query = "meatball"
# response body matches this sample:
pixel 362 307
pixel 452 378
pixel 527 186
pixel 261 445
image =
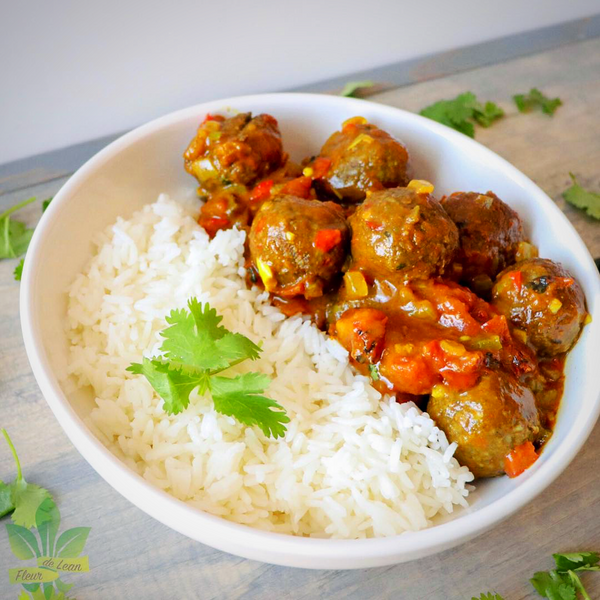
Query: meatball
pixel 402 231
pixel 487 421
pixel 541 298
pixel 489 234
pixel 238 150
pixel 361 157
pixel 297 245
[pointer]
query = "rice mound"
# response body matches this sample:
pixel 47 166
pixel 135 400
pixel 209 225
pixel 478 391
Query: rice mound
pixel 353 464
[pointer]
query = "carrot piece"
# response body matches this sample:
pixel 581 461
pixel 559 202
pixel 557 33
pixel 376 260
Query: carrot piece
pixel 326 239
pixel 320 167
pixel 261 191
pixel 517 279
pixel 520 458
pixel 298 187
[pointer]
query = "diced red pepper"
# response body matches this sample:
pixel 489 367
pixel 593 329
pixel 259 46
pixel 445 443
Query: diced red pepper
pixel 213 224
pixel 262 191
pixel 210 117
pixel 299 187
pixel 520 459
pixel 517 279
pixel 374 226
pixel 497 325
pixel 326 239
pixel 320 167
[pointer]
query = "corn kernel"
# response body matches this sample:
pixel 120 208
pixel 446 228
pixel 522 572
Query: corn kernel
pixel 555 305
pixel 525 250
pixel 363 137
pixel 307 172
pixel 464 338
pixel 520 335
pixel 404 349
pixel 420 186
pixel 356 285
pixel 354 121
pixel 588 319
pixel 266 274
pixel 289 236
pixel 453 348
pixel 437 391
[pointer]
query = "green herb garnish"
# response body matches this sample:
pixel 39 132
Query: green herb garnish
pixel 20 498
pixel 18 272
pixel 374 373
pixel 534 99
pixel 352 87
pixel 562 583
pixel 461 112
pixel 46 203
pixel 14 235
pixel 581 198
pixel 195 349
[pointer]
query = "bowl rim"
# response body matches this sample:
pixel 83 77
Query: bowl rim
pixel 286 549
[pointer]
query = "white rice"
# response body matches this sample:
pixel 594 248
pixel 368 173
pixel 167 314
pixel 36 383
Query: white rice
pixel 353 464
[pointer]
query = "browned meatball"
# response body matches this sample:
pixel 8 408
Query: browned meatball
pixel 297 246
pixel 487 421
pixel 489 234
pixel 363 158
pixel 544 300
pixel 402 231
pixel 238 150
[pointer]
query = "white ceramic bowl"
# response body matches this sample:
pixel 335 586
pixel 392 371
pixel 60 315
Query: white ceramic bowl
pixel 134 169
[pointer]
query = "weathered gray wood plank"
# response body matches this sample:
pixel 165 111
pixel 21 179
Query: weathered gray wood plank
pixel 132 556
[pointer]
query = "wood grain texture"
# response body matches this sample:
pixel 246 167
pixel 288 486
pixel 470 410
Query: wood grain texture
pixel 133 557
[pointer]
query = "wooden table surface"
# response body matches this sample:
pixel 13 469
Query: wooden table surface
pixel 134 557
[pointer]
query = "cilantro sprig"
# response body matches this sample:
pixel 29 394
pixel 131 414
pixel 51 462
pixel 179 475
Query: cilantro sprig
pixel 14 235
pixel 535 99
pixel 562 583
pixel 196 348
pixel 582 198
pixel 462 112
pixel 20 498
pixel 352 87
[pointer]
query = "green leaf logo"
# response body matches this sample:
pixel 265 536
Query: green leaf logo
pixel 70 543
pixel 22 542
pixel 47 521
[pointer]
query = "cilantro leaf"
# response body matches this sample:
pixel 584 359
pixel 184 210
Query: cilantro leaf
pixel 21 498
pixel 352 87
pixel 27 498
pixel 46 203
pixel 487 114
pixel 577 561
pixel 173 385
pixel 241 397
pixel 460 112
pixel 14 235
pixel 195 348
pixel 527 102
pixel 488 596
pixel 18 272
pixel 581 198
pixel 553 585
pixel 6 503
pixel 195 338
